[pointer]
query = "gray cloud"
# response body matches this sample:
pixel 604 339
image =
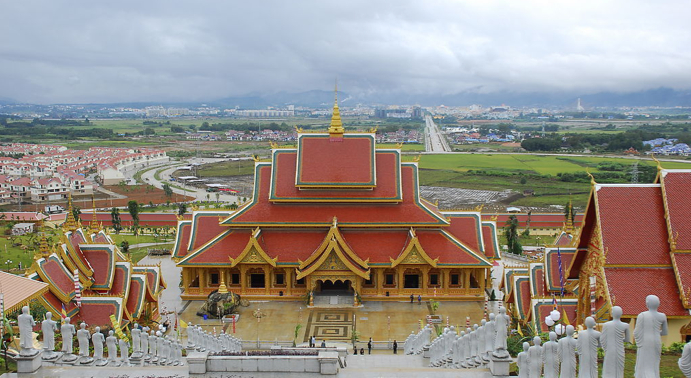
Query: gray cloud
pixel 85 51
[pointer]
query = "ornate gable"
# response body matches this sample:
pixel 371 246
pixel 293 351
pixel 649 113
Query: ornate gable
pixel 413 253
pixel 334 254
pixel 253 253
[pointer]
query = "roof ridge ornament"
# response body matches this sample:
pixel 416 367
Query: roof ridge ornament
pixel 336 127
pixel 592 178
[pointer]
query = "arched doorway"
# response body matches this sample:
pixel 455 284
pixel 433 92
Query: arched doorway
pixel 329 286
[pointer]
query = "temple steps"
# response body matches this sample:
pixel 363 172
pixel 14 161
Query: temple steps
pixel 399 365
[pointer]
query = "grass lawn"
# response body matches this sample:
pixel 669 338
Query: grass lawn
pixel 227 168
pixel 407 147
pixel 137 254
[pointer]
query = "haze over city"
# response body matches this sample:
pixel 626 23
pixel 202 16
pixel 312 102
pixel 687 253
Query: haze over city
pixel 95 52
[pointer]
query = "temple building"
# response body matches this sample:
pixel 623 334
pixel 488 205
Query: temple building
pixel 91 279
pixel 635 241
pixel 334 213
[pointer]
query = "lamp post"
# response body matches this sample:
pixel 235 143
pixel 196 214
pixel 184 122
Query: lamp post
pixel 552 319
pixel 259 315
pixel 7 263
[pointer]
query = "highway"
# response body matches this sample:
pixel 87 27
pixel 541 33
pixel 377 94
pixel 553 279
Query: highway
pixel 435 141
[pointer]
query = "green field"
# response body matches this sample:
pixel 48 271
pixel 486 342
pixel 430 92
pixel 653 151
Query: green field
pixel 536 164
pixel 407 147
pixel 227 168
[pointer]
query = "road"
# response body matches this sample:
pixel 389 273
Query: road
pixel 199 194
pixel 435 141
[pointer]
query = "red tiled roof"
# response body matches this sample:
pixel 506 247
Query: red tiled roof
pixel 635 233
pixel 437 244
pixel 677 187
pixel 628 288
pixel 388 181
pixel 465 229
pixel 121 279
pixel 537 280
pixel 291 245
pixel 98 312
pixel 552 267
pixel 56 274
pixel 682 261
pixel 324 161
pixel 205 227
pixel 103 262
pixel 563 239
pixel 55 306
pixel 489 239
pixel 230 245
pixel 183 239
pixel 406 213
pixel 137 294
pixel 379 245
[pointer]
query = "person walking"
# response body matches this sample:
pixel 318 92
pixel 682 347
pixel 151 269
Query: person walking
pixel 411 298
pixel 323 343
pixel 395 347
pixel 369 346
pixel 419 299
pixel 313 341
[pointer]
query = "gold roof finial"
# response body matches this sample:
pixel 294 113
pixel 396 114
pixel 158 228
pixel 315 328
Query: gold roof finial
pixel 70 223
pixel 336 127
pixel 222 289
pixel 93 227
pixel 592 178
pixel 43 247
pixel 568 227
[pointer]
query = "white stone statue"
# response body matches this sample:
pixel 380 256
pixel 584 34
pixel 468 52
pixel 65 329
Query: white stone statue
pixel 153 343
pixel 550 357
pixel 535 358
pixel 49 326
pixel 26 323
pixel 469 361
pixel 83 337
pixel 490 334
pixel 685 361
pixel 501 324
pixel 144 341
pixel 614 334
pixel 136 338
pixel 650 326
pixel 98 339
pixel 159 344
pixel 124 351
pixel 67 332
pixel 481 342
pixel 165 349
pixel 522 362
pixel 567 354
pixel 588 342
pixel 112 344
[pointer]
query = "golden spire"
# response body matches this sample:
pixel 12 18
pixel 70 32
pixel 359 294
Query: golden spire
pixel 568 228
pixel 336 127
pixel 222 289
pixel 94 222
pixel 70 223
pixel 43 247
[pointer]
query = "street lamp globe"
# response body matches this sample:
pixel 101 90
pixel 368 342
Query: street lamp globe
pixel 549 321
pixel 560 329
pixel 555 315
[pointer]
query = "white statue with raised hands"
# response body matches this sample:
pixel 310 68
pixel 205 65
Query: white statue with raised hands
pixel 651 325
pixel 614 334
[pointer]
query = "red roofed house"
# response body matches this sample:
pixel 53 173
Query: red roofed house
pixel 110 284
pixel 635 241
pixel 336 214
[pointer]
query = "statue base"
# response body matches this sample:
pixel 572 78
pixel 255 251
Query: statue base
pixel 136 359
pixel 101 362
pixel 68 359
pixel 28 363
pixel 86 360
pixel 499 366
pixel 50 356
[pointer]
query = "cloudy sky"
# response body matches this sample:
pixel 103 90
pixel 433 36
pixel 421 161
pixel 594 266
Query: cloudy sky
pixel 59 51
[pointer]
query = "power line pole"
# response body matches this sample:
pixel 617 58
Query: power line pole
pixel 634 173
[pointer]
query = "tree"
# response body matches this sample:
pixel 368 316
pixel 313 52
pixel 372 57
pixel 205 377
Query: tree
pixel 512 236
pixel 167 190
pixel 182 209
pixel 218 196
pixel 76 211
pixel 125 246
pixel 115 219
pixel 133 208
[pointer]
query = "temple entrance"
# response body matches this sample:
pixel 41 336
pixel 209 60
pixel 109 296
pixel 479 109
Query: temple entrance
pixel 336 286
pixel 412 281
pixel 257 280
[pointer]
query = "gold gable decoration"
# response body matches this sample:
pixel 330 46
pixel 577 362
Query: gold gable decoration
pixel 593 266
pixel 333 263
pixel 336 127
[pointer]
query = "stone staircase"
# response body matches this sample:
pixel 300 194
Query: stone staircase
pixel 333 299
pixel 402 366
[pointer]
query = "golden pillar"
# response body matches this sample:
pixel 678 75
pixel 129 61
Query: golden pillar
pixel 466 278
pixel 445 281
pixel 482 282
pixel 289 280
pixel 243 279
pixel 267 279
pixel 400 280
pixel 425 278
pixel 379 282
